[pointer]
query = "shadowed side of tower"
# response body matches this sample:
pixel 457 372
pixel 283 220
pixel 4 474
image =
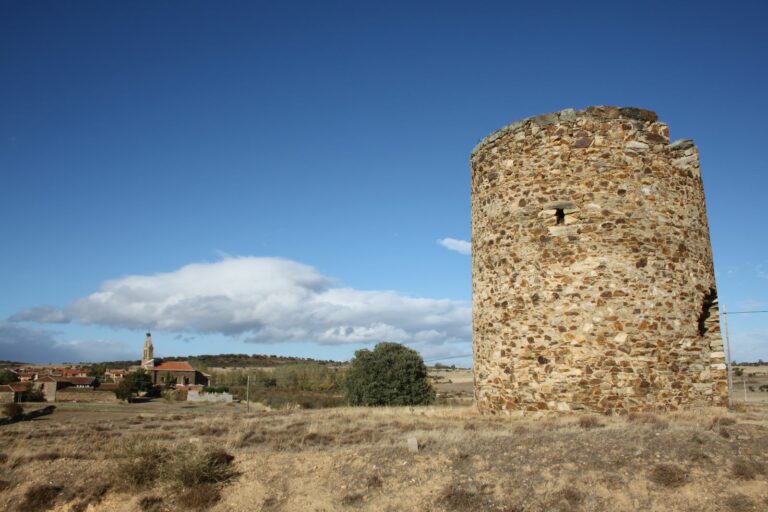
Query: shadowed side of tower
pixel 592 274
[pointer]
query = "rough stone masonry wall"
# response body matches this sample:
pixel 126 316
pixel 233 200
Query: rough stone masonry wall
pixel 592 275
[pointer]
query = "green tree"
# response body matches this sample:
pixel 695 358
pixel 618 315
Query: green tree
pixel 97 370
pixel 134 382
pixel 123 391
pixel 6 377
pixel 390 374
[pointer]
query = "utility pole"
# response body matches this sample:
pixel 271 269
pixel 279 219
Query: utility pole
pixel 248 394
pixel 728 360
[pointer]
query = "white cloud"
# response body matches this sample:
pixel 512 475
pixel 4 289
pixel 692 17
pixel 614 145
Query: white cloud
pixel 460 246
pixel 32 345
pixel 270 300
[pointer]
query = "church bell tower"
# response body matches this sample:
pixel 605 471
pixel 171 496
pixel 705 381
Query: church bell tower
pixel 148 358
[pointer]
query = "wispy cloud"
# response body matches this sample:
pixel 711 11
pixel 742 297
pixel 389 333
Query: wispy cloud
pixel 452 244
pixel 43 314
pixel 266 300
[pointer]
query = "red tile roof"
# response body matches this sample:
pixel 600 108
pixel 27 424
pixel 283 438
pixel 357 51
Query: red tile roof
pixel 46 378
pixel 6 389
pixel 173 366
pixel 77 381
pixel 19 386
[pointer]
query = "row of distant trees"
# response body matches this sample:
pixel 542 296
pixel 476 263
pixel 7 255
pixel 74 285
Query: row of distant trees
pixel 390 374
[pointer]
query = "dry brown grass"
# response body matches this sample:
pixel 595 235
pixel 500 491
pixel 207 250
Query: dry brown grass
pixel 357 459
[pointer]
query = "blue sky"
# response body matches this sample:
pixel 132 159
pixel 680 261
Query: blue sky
pixel 277 176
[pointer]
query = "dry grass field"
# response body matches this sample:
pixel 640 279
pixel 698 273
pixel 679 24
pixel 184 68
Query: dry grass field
pixel 175 456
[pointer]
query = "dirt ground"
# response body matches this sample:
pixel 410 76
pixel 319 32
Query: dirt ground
pixel 359 459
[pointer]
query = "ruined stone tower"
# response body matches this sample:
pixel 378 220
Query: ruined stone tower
pixel 592 275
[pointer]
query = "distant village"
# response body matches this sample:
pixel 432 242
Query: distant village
pixel 51 384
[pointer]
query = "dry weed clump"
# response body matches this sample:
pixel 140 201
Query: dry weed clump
pixel 374 482
pixel 668 475
pixel 139 463
pixel 44 457
pixel 40 497
pixel 199 497
pixel 588 422
pixel 722 421
pixel 352 499
pixel 464 498
pixel 91 493
pixel 744 469
pixel 151 504
pixel 740 503
pixel 192 465
pixel 250 437
pixel 571 496
pixel 647 418
pixel 210 430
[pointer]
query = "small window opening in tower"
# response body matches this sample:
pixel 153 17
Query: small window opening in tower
pixel 560 216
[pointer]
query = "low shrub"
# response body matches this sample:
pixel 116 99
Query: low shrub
pixel 200 497
pixel 192 465
pixel 647 418
pixel 668 475
pixel 140 463
pixel 46 456
pixel 352 499
pixel 746 469
pixel 40 497
pixel 740 503
pixel 587 422
pixel 455 497
pixel 151 504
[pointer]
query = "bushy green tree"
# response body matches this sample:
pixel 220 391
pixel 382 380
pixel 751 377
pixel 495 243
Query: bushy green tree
pixel 390 374
pixel 97 370
pixel 7 376
pixel 134 382
pixel 123 390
